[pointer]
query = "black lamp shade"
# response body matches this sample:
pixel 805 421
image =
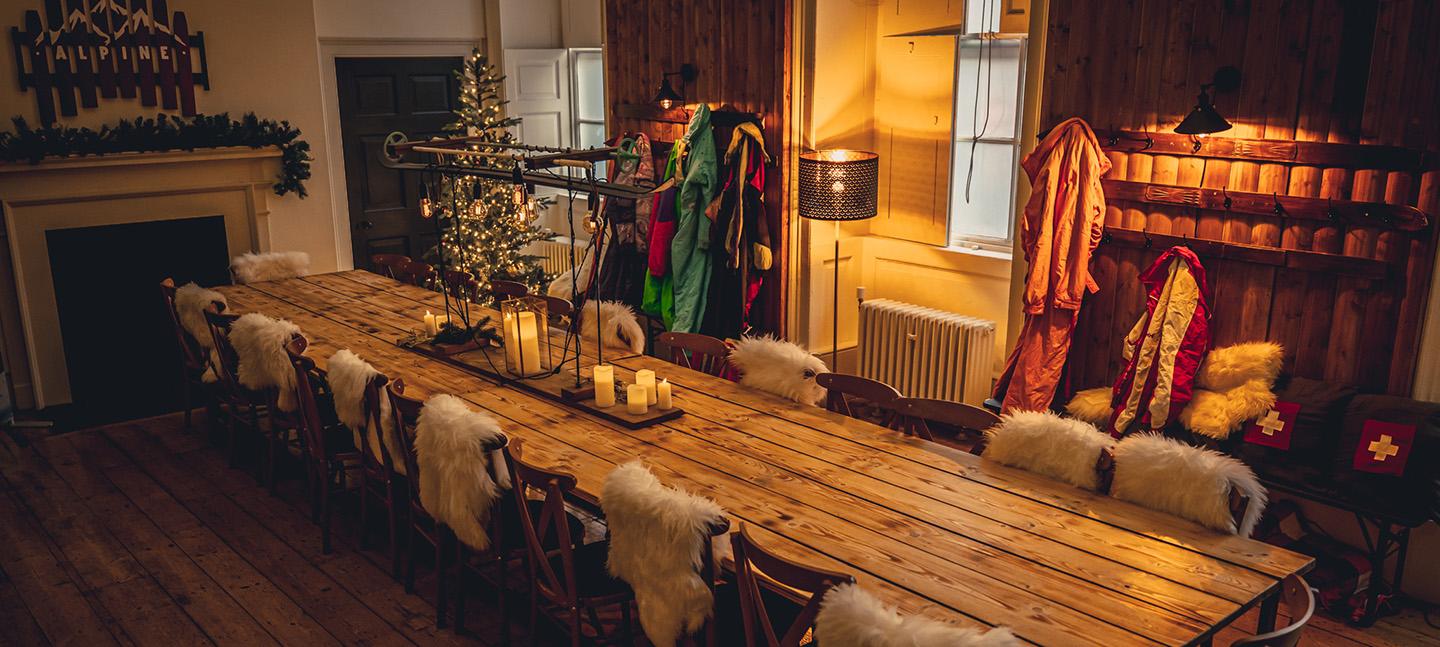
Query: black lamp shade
pixel 666 97
pixel 838 184
pixel 1203 119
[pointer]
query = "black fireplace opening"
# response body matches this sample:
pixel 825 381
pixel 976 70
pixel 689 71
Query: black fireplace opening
pixel 120 345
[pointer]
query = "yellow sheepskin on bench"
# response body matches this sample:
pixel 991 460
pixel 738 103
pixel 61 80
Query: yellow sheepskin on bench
pixel 1234 384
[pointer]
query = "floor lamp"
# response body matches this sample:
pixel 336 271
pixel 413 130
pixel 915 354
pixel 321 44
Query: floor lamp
pixel 838 185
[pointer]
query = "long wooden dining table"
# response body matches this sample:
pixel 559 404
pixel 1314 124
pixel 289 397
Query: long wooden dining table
pixel 926 529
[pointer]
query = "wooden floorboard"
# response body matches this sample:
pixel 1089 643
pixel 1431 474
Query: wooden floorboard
pixel 139 533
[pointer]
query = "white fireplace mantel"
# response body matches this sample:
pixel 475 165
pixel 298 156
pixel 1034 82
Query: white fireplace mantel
pixel 116 189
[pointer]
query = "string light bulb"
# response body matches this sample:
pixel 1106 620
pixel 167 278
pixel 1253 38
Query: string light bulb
pixel 477 200
pixel 427 208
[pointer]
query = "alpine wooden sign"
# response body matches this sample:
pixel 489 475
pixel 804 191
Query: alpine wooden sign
pixel 113 48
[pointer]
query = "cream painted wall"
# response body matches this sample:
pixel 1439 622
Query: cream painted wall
pixel 417 19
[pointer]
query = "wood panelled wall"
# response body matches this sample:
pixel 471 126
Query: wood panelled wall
pixel 1351 71
pixel 742 48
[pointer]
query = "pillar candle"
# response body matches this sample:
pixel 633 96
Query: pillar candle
pixel 662 395
pixel 635 400
pixel 646 378
pixel 529 333
pixel 604 386
pixel 431 327
pixel 511 340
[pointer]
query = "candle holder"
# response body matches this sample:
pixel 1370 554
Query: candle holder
pixel 526 336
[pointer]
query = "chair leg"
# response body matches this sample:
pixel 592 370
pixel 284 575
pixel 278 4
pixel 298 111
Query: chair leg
pixel 410 560
pixel 325 514
pixel 230 435
pixel 459 620
pixel 272 462
pixel 185 395
pixel 501 591
pixel 393 519
pixel 441 571
pixel 575 627
pixel 364 509
pixel 534 610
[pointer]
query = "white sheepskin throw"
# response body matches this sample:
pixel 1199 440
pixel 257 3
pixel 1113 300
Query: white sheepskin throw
pixel 618 326
pixel 271 266
pixel 191 301
pixel 850 617
pixel 1044 443
pixel 259 343
pixel 566 286
pixel 1188 482
pixel 657 534
pixel 779 367
pixel 1234 384
pixel 1092 405
pixel 457 484
pixel 348 375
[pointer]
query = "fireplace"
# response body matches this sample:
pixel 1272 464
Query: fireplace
pixel 120 352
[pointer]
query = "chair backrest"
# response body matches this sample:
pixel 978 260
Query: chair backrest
pixel 462 284
pixel 229 361
pixel 190 350
pixel 547 529
pixel 754 567
pixel 385 264
pixel 558 310
pixel 858 397
pixel 502 290
pixel 1300 604
pixel 414 273
pixel 406 411
pixel 307 383
pixel 698 352
pixel 913 416
pixel 374 390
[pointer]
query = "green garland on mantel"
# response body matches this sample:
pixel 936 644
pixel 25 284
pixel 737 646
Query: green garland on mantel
pixel 165 133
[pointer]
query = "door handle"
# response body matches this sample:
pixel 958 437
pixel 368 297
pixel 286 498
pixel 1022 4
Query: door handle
pixel 365 224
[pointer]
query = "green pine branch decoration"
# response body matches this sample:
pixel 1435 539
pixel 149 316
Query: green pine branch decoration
pixel 165 133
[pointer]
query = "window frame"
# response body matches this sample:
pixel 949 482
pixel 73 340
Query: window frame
pixel 961 145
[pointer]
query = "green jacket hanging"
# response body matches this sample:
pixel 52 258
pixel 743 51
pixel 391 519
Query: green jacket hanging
pixel 690 249
pixel 659 295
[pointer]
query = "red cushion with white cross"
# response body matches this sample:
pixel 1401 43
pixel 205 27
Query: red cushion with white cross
pixel 1275 427
pixel 1384 447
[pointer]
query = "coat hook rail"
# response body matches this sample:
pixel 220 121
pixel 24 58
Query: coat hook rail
pixel 1365 214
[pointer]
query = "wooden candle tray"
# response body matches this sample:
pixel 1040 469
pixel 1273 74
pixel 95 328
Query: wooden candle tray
pixel 489 363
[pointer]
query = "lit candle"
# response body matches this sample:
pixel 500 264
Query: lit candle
pixel 431 327
pixel 511 340
pixel 662 395
pixel 529 334
pixel 635 400
pixel 604 386
pixel 646 378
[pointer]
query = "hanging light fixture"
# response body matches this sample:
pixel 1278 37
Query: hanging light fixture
pixel 477 199
pixel 427 207
pixel 1204 119
pixel 666 97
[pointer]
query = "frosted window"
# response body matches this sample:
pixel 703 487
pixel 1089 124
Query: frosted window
pixel 589 86
pixel 989 77
pixel 998 65
pixel 987 213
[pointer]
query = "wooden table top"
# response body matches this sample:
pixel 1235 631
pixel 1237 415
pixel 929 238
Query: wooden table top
pixel 930 530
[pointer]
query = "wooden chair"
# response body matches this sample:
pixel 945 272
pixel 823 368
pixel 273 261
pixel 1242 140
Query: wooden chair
pixel 414 273
pixel 462 284
pixel 406 411
pixel 698 352
pixel 385 264
pixel 915 416
pixel 558 311
pixel 502 290
pixel 236 404
pixel 755 567
pixel 327 446
pixel 566 575
pixel 858 397
pixel 193 357
pixel 378 476
pixel 1300 604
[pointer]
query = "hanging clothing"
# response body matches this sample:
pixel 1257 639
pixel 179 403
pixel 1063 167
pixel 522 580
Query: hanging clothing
pixel 1061 226
pixel 738 266
pixel 689 250
pixel 659 290
pixel 1166 345
pixel 627 220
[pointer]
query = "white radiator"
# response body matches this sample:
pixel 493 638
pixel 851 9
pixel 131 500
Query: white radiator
pixel 926 353
pixel 555 254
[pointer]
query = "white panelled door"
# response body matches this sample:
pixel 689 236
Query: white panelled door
pixel 537 83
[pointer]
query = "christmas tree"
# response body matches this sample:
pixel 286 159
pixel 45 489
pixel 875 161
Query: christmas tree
pixel 487 224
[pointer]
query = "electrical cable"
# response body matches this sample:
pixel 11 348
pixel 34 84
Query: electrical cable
pixel 987 59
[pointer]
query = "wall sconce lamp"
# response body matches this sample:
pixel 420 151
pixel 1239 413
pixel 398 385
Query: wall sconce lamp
pixel 1203 118
pixel 666 97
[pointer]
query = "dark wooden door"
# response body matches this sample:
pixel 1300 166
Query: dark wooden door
pixel 379 96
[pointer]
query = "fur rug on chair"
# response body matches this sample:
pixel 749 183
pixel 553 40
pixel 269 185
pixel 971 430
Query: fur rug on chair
pixel 850 617
pixel 1044 443
pixel 191 300
pixel 657 534
pixel 1189 482
pixel 779 367
pixel 251 267
pixel 458 476
pixel 618 326
pixel 565 286
pixel 348 375
pixel 1234 384
pixel 259 343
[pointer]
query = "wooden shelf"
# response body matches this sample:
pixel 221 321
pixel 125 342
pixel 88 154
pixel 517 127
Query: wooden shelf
pixel 1365 214
pixel 1294 259
pixel 1284 151
pixel 652 112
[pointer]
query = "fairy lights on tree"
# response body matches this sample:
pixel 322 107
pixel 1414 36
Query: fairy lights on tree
pixel 492 228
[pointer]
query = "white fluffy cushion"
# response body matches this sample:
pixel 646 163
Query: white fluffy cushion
pixel 270 266
pixel 191 301
pixel 1189 482
pixel 779 367
pixel 259 343
pixel 348 375
pixel 1044 443
pixel 457 484
pixel 657 534
pixel 850 617
pixel 618 326
pixel 1234 384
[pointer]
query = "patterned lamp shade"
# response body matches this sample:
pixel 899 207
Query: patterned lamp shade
pixel 838 184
